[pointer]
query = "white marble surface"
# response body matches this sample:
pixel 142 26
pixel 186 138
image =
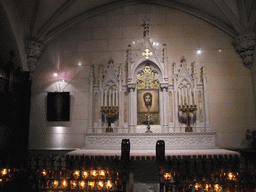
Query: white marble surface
pixel 151 153
pixel 143 141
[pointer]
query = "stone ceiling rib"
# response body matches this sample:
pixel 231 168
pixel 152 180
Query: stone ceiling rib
pixel 51 33
pixel 252 16
pixel 85 15
pixel 44 30
pixel 242 13
pixel 230 15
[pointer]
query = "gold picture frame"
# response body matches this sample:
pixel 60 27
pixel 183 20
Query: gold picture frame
pixel 142 108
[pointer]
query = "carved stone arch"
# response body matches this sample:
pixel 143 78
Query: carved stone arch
pixel 110 77
pixel 184 75
pixel 154 67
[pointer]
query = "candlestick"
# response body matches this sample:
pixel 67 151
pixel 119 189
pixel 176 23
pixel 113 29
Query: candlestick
pixel 106 97
pixel 113 98
pixel 190 97
pixel 101 102
pixel 109 111
pixel 182 96
pixel 179 97
pixel 188 109
pixel 109 98
pixel 186 96
pixel 117 104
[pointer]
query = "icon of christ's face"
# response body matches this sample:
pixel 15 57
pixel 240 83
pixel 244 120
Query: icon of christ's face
pixel 147 99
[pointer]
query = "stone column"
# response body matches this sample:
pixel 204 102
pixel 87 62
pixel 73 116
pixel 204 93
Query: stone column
pixel 101 93
pixel 206 104
pixel 90 127
pixel 175 106
pixel 165 111
pixel 132 108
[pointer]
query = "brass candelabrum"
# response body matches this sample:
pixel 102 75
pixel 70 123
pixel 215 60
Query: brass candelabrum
pixel 188 109
pixel 109 111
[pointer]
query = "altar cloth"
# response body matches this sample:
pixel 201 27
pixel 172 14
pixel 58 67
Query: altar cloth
pixel 150 154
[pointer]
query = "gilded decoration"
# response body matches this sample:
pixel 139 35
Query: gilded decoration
pixel 148 87
pixel 200 106
pixel 147 53
pixel 147 79
pixel 125 108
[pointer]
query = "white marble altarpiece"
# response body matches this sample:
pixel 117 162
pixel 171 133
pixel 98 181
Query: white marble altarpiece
pixel 170 85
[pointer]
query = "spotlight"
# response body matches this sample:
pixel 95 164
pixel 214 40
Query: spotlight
pixel 55 74
pixel 198 52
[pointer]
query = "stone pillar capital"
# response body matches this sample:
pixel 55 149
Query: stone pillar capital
pixel 164 86
pixel 244 44
pixel 34 50
pixel 131 86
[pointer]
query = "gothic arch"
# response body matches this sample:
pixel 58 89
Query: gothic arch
pixel 141 66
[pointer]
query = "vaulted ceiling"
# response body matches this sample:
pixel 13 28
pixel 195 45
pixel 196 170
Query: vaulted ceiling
pixel 44 19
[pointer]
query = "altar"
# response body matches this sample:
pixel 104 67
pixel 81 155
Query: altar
pixel 147 100
pixel 146 141
pixel 143 146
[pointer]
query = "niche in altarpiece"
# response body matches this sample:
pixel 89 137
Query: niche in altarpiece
pixel 148 96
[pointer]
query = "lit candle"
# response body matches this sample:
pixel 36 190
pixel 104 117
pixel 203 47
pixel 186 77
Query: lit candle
pixel 81 184
pixel 113 91
pixel 179 97
pixel 182 96
pixel 64 184
pixel 116 98
pixel 193 97
pixel 186 91
pixel 4 172
pixel 106 98
pixel 109 98
pixel 190 96
pixel 101 102
pixel 108 184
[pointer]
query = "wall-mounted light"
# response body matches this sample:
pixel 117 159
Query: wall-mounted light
pixel 198 52
pixel 55 74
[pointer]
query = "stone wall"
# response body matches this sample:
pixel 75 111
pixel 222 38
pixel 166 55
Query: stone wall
pixel 95 40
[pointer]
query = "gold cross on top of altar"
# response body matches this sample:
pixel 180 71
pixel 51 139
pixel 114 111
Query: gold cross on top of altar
pixel 147 53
